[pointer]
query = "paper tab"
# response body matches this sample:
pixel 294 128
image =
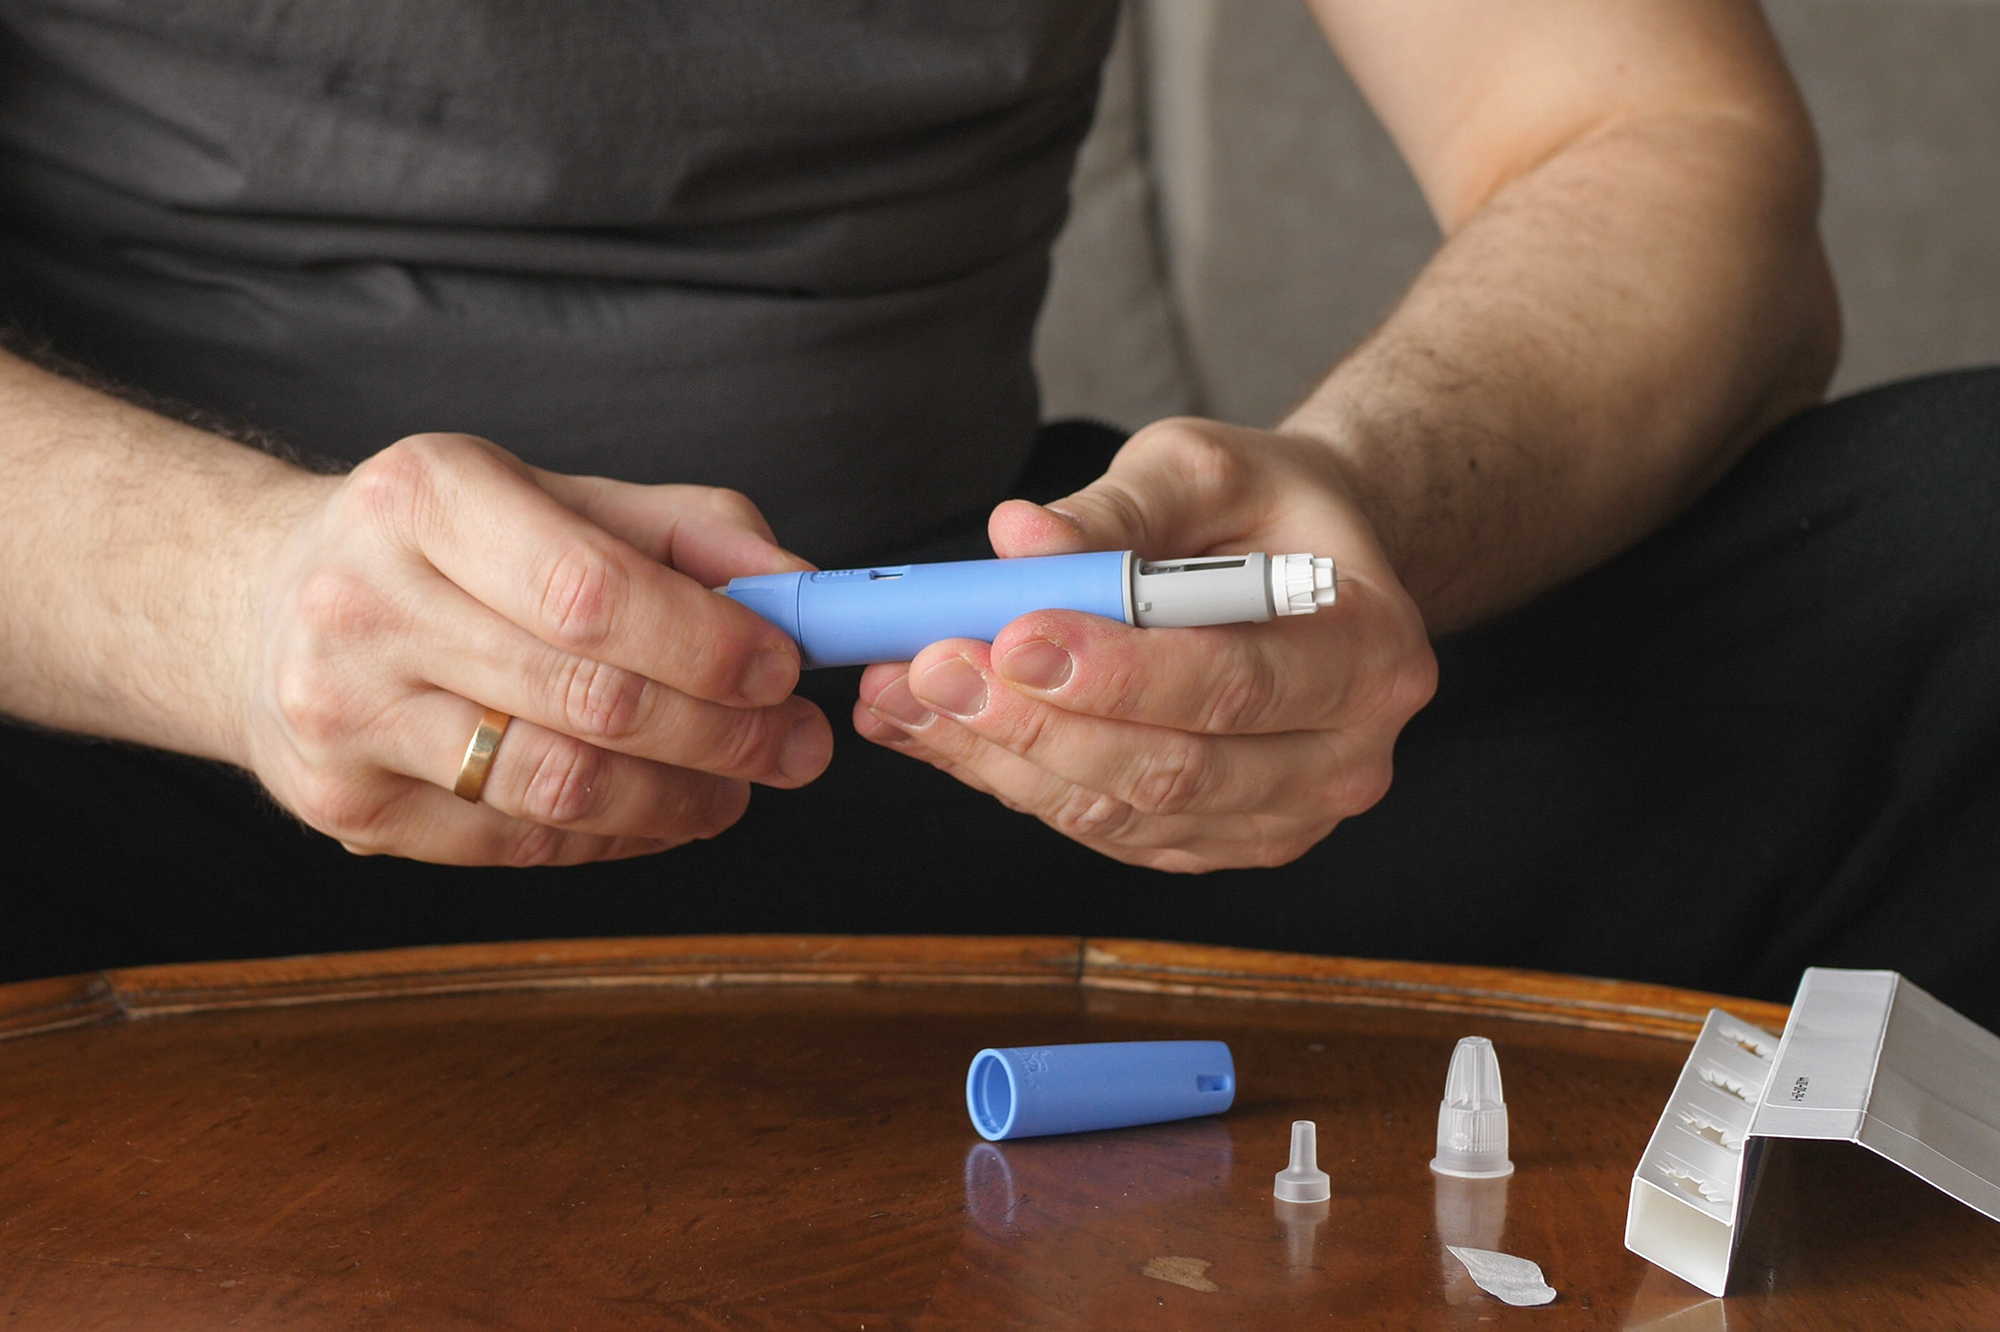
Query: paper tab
pixel 1513 1280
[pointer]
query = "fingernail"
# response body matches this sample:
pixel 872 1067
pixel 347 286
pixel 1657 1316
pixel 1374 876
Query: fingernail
pixel 806 751
pixel 769 677
pixel 897 704
pixel 1038 664
pixel 953 686
pixel 1066 516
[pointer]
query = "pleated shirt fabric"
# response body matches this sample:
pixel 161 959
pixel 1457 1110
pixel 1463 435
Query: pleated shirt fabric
pixel 794 248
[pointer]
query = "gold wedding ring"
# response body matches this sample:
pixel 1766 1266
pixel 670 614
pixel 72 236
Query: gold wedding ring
pixel 479 755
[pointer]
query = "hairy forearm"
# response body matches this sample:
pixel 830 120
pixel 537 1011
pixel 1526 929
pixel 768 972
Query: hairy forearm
pixel 129 549
pixel 1592 349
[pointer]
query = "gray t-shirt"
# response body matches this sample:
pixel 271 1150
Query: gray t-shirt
pixel 795 248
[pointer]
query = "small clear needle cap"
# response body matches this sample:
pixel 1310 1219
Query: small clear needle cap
pixel 1303 1181
pixel 1472 1118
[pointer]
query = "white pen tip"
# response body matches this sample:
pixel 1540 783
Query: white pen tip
pixel 1301 584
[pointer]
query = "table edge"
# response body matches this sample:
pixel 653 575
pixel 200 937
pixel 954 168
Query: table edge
pixel 1130 965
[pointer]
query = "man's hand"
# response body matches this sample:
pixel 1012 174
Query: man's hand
pixel 1631 291
pixel 443 577
pixel 1180 749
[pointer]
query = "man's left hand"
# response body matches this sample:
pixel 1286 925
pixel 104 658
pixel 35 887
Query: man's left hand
pixel 1179 749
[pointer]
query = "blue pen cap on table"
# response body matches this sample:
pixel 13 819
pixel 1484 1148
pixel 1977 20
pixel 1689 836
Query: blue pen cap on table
pixel 1040 1089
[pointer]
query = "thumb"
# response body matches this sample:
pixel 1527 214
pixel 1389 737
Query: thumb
pixel 1019 528
pixel 1176 488
pixel 709 534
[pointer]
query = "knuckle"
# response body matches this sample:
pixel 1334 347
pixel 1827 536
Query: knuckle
pixel 337 607
pixel 1360 786
pixel 747 744
pixel 1243 702
pixel 736 506
pixel 1115 689
pixel 537 844
pixel 1401 678
pixel 1414 684
pixel 316 709
pixel 1197 452
pixel 1023 730
pixel 1177 860
pixel 581 592
pixel 1169 778
pixel 345 811
pixel 1126 512
pixel 719 670
pixel 435 449
pixel 1090 815
pixel 1007 798
pixel 718 809
pixel 314 686
pixel 563 787
pixel 601 702
pixel 395 485
pixel 1276 852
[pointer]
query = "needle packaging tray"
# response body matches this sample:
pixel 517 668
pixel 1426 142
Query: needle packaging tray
pixel 1866 1057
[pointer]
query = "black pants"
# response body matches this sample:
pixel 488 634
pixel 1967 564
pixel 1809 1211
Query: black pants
pixel 1767 737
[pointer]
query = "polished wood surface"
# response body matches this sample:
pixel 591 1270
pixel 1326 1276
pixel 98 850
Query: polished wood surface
pixel 771 1133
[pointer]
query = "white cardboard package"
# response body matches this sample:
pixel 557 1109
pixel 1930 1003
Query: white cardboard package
pixel 1866 1057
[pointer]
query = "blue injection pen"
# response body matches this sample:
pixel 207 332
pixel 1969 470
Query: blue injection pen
pixel 852 617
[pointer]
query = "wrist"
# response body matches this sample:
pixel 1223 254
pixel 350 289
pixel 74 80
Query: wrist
pixel 269 513
pixel 1424 505
pixel 131 546
pixel 167 650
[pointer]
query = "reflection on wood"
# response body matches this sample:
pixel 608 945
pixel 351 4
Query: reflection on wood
pixel 1665 1303
pixel 1301 1223
pixel 1834 1222
pixel 1472 1214
pixel 1050 1214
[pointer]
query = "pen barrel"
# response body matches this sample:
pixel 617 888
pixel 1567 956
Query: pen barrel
pixel 852 617
pixel 1031 1091
pixel 1212 589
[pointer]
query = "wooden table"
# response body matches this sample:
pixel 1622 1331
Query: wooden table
pixel 771 1133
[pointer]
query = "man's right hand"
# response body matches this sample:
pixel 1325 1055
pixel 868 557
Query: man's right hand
pixel 443 577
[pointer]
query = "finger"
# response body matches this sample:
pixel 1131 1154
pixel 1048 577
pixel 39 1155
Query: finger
pixel 418 820
pixel 1358 666
pixel 542 776
pixel 511 545
pixel 471 652
pixel 888 713
pixel 1177 488
pixel 1154 769
pixel 710 534
pixel 1175 843
pixel 1238 679
pixel 890 736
